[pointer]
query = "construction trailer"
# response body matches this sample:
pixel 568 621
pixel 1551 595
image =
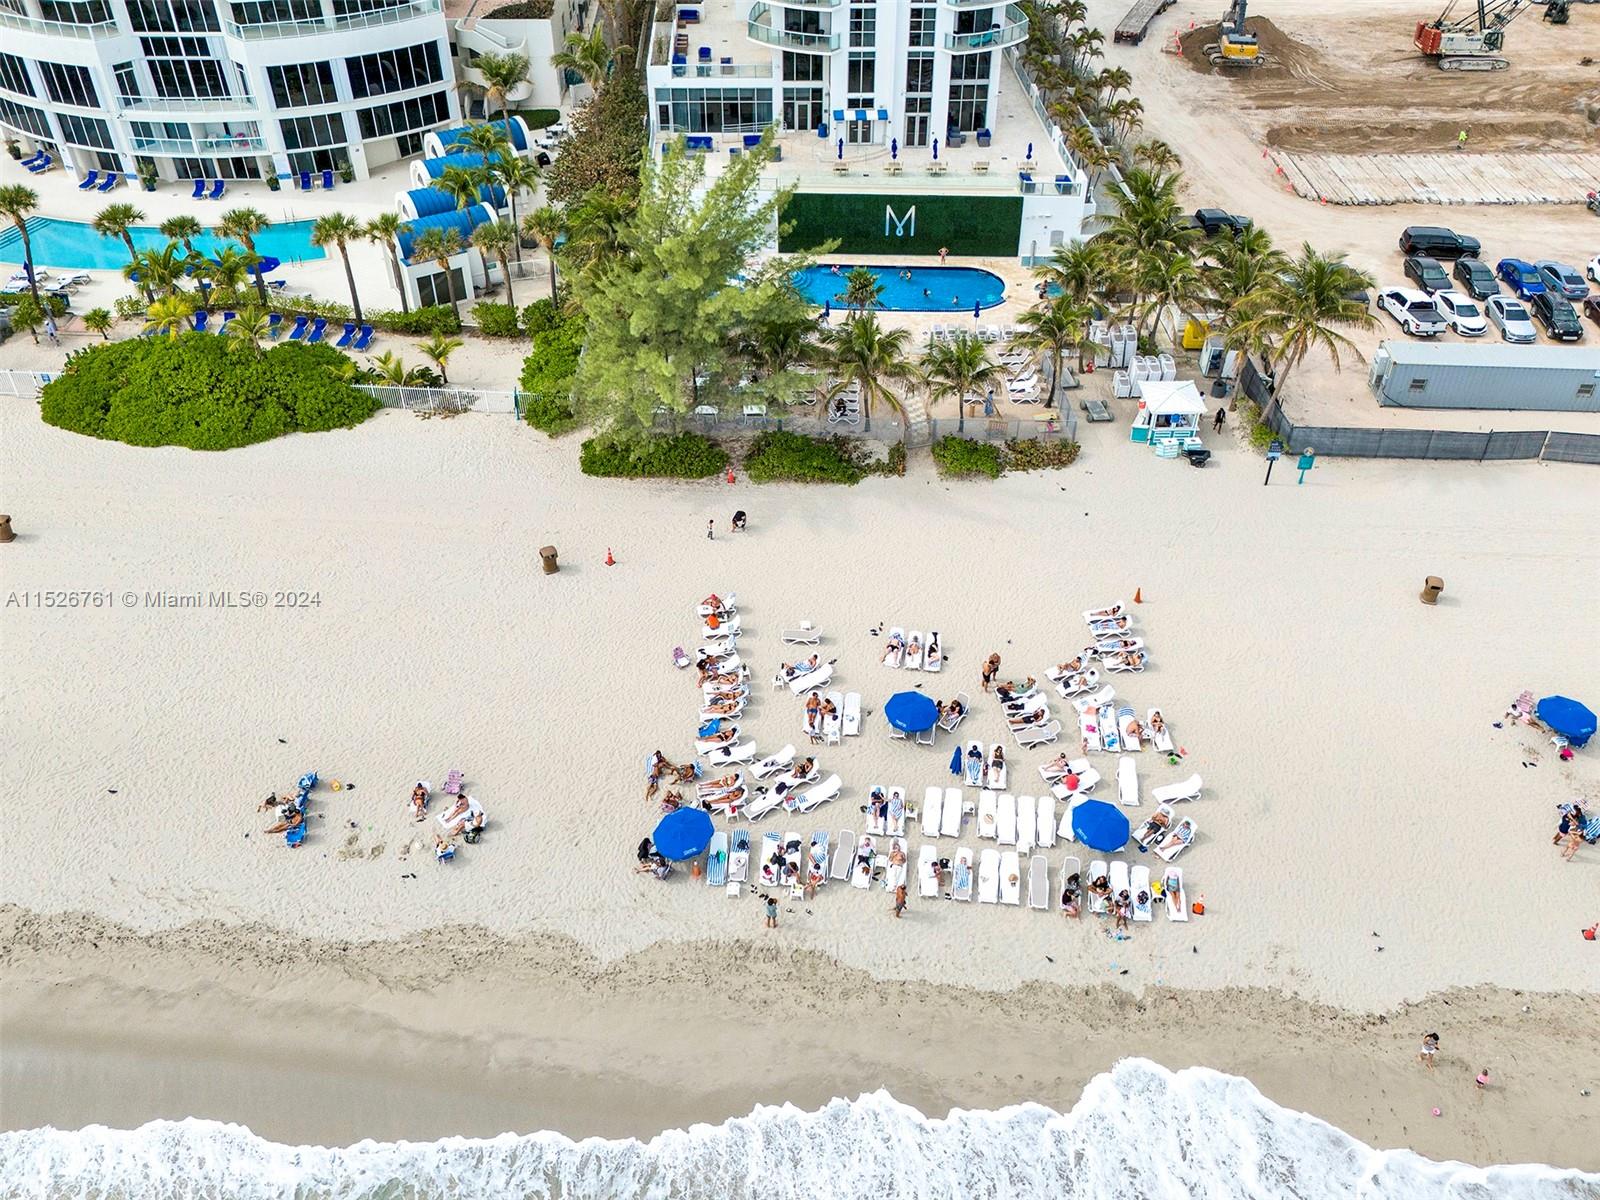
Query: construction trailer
pixel 1539 378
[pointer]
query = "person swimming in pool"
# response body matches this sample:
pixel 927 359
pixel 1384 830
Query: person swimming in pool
pixel 926 293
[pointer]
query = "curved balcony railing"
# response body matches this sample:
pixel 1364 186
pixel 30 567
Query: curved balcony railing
pixel 164 104
pixel 15 20
pixel 333 23
pixel 762 28
pixel 1012 30
pixel 808 3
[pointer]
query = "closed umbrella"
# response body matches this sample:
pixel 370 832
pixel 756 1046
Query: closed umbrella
pixel 911 711
pixel 1030 151
pixel 1099 826
pixel 841 147
pixel 1566 716
pixel 955 761
pixel 685 833
pixel 827 310
pixel 894 147
pixel 977 309
pixel 935 149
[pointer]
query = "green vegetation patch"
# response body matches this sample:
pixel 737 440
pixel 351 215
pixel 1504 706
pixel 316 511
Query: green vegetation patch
pixel 682 456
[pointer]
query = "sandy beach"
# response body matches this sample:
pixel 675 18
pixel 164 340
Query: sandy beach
pixel 1357 792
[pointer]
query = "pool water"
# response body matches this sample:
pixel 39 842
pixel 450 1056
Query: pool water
pixel 73 245
pixel 929 289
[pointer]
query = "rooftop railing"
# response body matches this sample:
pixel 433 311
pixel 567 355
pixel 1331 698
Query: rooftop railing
pixel 762 28
pixel 72 29
pixel 1013 30
pixel 333 23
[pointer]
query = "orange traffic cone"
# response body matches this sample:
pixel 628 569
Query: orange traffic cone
pixel 1138 596
pixel 610 562
pixel 1199 906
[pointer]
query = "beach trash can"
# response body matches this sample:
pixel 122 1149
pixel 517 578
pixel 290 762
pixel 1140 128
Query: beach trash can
pixel 1431 587
pixel 547 557
pixel 6 535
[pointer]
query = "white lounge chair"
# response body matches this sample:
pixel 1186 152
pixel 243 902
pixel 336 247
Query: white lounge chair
pixel 1095 702
pixel 805 801
pixel 843 855
pixel 1039 883
pixel 722 631
pixel 1155 724
pixel 933 657
pixel 812 681
pixel 1010 877
pixel 988 826
pixel 727 610
pixel 1132 738
pixel 852 714
pixel 712 791
pixel 794 866
pixel 1119 878
pixel 771 858
pixel 1119 665
pixel 713 714
pixel 896 658
pixel 897 811
pixel 914 650
pixel 833 727
pixel 1106 721
pixel 927 871
pixel 1154 827
pixel 1143 901
pixel 1005 820
pixel 738 860
pixel 894 873
pixel 1047 822
pixel 1098 905
pixel 1127 782
pixel 774 763
pixel 995 772
pixel 861 865
pixel 1038 735
pixel 817 859
pixel 1027 822
pixel 1025 706
pixel 989 876
pixel 1078 684
pixel 706 746
pixel 1086 778
pixel 743 752
pixel 1177 841
pixel 1172 793
pixel 1110 627
pixel 806 635
pixel 1089 728
pixel 794 778
pixel 1103 614
pixel 926 737
pixel 932 805
pixel 951 722
pixel 1070 866
pixel 1172 892
pixel 950 813
pixel 961 874
pixel 762 803
pixel 1118 645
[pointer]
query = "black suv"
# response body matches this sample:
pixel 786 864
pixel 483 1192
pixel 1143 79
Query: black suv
pixel 1476 277
pixel 1428 273
pixel 1215 221
pixel 1556 314
pixel 1437 242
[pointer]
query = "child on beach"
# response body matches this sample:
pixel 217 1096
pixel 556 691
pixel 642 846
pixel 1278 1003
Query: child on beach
pixel 899 901
pixel 772 910
pixel 1483 1079
pixel 1430 1048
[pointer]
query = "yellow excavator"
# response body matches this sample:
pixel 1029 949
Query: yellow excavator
pixel 1237 48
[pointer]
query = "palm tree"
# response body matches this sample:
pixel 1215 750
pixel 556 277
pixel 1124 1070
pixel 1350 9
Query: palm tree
pixel 1180 284
pixel 464 185
pixel 348 370
pixel 383 229
pixel 242 225
pixel 116 221
pixel 1056 326
pixel 862 291
pixel 516 175
pixel 1299 309
pixel 229 270
pixel 544 225
pixel 1155 153
pixel 502 74
pixel 169 315
pixel 1244 265
pixel 1077 268
pixel 775 345
pixel 182 229
pixel 494 239
pixel 440 348
pixel 958 368
pixel 17 204
pixel 863 353
pixel 158 270
pixel 340 229
pixel 98 320
pixel 391 371
pixel 248 329
pixel 491 141
pixel 588 56
pixel 440 245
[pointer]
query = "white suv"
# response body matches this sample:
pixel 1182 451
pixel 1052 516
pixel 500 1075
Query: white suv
pixel 1414 311
pixel 1461 313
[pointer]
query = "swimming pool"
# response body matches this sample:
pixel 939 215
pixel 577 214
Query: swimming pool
pixel 73 245
pixel 929 289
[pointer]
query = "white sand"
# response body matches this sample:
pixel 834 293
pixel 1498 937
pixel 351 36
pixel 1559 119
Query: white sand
pixel 1354 781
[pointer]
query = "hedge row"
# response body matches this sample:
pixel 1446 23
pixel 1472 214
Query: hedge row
pixel 551 366
pixel 682 456
pixel 963 458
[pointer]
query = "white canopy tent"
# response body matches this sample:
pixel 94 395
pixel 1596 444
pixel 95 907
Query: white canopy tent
pixel 1168 408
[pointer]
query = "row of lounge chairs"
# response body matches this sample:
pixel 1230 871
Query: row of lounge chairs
pixel 984 333
pixel 304 180
pixel 39 162
pixel 94 182
pixel 913 653
pixel 209 191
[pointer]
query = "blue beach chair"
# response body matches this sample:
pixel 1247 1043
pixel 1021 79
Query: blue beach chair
pixel 317 327
pixel 346 336
pixel 274 321
pixel 199 189
pixel 327 180
pixel 299 330
pixel 41 165
pixel 89 181
pixel 200 319
pixel 218 186
pixel 305 181
pixel 110 181
pixel 33 158
pixel 227 315
pixel 363 339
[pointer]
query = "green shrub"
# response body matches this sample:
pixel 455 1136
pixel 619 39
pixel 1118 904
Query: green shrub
pixel 682 456
pixel 607 143
pixel 779 456
pixel 129 307
pixel 548 372
pixel 497 320
pixel 1261 434
pixel 419 322
pixel 538 118
pixel 962 458
pixel 540 316
pixel 199 392
pixel 1035 454
pixel 56 306
pixel 524 10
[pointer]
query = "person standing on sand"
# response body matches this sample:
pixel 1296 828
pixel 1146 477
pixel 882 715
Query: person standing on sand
pixel 1461 140
pixel 711 529
pixel 991 668
pixel 1483 1079
pixel 899 901
pixel 1222 415
pixel 1430 1048
pixel 772 910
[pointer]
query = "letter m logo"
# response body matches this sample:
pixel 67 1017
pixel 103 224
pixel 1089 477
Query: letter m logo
pixel 905 226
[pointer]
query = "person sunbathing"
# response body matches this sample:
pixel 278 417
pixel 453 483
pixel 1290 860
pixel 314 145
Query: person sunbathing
pixel 1071 667
pixel 474 818
pixel 1105 614
pixel 802 667
pixel 1152 828
pixel 1128 658
pixel 1069 894
pixel 804 767
pixel 893 646
pixel 1120 644
pixel 293 818
pixel 1011 689
pixel 951 711
pixel 829 709
pixel 998 761
pixel 1100 889
pixel 1057 766
pixel 723 707
pixel 1111 625
pixel 419 802
pixel 720 739
pixel 897 856
pixel 1157 725
pixel 722 679
pixel 1135 731
pixel 712 786
pixel 1037 717
pixel 915 648
pixel 934 653
pixel 713 602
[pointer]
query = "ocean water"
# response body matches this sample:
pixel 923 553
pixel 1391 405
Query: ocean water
pixel 1139 1132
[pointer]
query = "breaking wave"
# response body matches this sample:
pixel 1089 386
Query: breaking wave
pixel 1139 1132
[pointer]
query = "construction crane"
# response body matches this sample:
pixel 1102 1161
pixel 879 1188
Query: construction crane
pixel 1472 42
pixel 1236 48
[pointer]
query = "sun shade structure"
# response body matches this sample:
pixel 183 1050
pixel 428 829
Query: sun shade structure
pixel 1099 826
pixel 1566 716
pixel 911 711
pixel 684 834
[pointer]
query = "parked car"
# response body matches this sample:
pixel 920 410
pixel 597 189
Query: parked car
pixel 1594 268
pixel 1558 277
pixel 1461 313
pixel 1510 317
pixel 1522 276
pixel 1216 220
pixel 1437 242
pixel 1414 311
pixel 1475 276
pixel 1556 314
pixel 1428 273
pixel 1591 307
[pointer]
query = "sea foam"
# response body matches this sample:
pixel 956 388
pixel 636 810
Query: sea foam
pixel 1139 1132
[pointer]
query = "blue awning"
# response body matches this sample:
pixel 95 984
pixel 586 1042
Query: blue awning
pixel 462 220
pixel 436 167
pixel 430 201
pixel 511 128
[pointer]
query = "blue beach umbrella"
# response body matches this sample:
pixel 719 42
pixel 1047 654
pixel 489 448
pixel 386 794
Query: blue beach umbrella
pixel 685 833
pixel 912 712
pixel 894 147
pixel 955 761
pixel 1567 717
pixel 268 265
pixel 827 309
pixel 977 309
pixel 1099 826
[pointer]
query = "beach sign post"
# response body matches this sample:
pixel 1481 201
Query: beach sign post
pixel 1308 459
pixel 1274 453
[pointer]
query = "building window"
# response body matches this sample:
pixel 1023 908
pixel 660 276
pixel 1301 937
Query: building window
pixel 714 110
pixel 970 66
pixel 919 111
pixel 174 16
pixel 802 68
pixel 403 116
pixel 127 80
pixel 969 106
pixel 188 79
pixel 69 84
pixel 802 108
pixel 84 131
pixel 14 75
pixel 976 20
pixel 394 70
pixel 919 74
pixel 345 8
pixel 306 133
pixel 301 85
pixel 408 144
pixel 275 12
pixel 863 26
pixel 921 28
pixel 28 120
pixel 76 12
pixel 862 81
pixel 435 288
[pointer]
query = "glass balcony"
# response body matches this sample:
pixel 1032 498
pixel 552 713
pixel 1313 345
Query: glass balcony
pixel 807 3
pixel 1012 30
pixel 762 28
pixel 72 29
pixel 164 104
pixel 721 71
pixel 224 144
pixel 331 24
